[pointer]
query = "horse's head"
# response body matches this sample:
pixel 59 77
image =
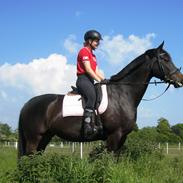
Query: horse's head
pixel 163 68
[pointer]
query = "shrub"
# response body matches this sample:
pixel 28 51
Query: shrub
pixel 138 145
pixel 55 168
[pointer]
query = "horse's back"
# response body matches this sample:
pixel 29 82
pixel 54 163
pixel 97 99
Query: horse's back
pixel 40 100
pixel 34 111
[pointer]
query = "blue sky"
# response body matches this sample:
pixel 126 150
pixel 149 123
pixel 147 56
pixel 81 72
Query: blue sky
pixel 39 40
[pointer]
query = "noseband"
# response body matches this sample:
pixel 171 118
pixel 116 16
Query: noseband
pixel 166 77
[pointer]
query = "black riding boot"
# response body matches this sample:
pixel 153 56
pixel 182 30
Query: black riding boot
pixel 88 126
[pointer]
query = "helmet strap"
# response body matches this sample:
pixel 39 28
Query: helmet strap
pixel 88 42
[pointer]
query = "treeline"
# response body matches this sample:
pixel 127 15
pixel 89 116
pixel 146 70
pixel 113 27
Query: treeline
pixel 7 134
pixel 162 133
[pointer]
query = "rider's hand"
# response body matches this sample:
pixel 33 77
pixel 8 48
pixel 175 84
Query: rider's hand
pixel 105 81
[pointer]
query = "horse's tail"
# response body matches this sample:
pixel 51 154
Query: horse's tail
pixel 21 138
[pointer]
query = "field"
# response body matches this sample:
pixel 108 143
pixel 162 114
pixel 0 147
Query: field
pixel 64 165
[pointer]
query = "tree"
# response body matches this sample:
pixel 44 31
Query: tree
pixel 165 133
pixel 163 126
pixel 5 132
pixel 149 134
pixel 178 130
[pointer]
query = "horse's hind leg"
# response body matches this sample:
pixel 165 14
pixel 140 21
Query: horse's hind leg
pixel 38 144
pixel 32 145
pixel 46 138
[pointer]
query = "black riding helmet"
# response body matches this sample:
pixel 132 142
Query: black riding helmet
pixel 92 34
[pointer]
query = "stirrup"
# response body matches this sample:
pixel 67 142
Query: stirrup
pixel 87 130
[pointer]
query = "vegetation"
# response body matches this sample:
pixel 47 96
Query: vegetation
pixel 140 161
pixel 6 134
pixel 144 165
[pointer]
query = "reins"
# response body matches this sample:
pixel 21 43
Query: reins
pixel 158 95
pixel 145 83
pixel 135 83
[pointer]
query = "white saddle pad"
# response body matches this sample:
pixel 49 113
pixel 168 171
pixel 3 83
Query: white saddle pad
pixel 72 104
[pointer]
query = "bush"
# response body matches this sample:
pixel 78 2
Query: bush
pixel 55 168
pixel 138 145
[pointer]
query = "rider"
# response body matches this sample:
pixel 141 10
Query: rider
pixel 87 72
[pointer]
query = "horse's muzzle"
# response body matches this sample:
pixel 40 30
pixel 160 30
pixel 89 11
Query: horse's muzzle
pixel 178 84
pixel 177 80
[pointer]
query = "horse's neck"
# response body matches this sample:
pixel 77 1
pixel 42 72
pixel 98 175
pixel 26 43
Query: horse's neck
pixel 136 86
pixel 141 77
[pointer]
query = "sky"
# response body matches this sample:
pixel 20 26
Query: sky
pixel 40 39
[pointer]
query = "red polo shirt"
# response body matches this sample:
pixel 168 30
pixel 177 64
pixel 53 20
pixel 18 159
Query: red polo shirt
pixel 85 55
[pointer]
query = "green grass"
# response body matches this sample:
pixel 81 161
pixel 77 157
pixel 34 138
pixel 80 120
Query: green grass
pixel 8 157
pixel 61 165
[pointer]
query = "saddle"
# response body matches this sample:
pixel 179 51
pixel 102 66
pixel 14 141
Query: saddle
pixel 74 104
pixel 98 90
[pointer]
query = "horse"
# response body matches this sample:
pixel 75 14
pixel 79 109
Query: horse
pixel 41 117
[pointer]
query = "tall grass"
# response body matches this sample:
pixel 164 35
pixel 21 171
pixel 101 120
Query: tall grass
pixel 141 162
pixel 54 168
pixel 8 158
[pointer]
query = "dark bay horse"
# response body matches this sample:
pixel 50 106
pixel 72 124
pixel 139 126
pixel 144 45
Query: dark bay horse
pixel 41 117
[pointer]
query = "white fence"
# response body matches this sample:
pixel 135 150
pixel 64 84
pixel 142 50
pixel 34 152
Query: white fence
pixel 9 144
pixel 167 147
pixel 74 145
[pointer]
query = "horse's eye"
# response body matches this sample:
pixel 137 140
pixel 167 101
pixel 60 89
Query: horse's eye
pixel 166 59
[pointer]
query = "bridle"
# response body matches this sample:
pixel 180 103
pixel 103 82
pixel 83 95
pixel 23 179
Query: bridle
pixel 165 79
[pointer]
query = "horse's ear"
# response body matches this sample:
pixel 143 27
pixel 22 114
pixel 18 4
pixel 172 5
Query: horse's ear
pixel 160 47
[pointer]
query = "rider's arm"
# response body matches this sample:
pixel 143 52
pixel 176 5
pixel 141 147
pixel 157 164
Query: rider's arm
pixel 89 70
pixel 99 74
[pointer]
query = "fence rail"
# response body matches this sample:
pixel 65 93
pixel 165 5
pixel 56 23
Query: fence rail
pixel 80 147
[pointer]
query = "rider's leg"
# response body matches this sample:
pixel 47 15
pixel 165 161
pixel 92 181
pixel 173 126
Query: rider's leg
pixel 87 89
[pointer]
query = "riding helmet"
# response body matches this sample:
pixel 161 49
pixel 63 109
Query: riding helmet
pixel 92 34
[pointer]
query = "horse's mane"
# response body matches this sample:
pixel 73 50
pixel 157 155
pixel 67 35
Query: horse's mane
pixel 129 68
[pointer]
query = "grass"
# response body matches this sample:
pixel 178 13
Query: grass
pixel 61 165
pixel 8 157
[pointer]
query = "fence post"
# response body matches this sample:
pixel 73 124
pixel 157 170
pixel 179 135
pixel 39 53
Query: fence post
pixel 73 147
pixel 81 150
pixel 179 146
pixel 159 145
pixel 167 148
pixel 16 145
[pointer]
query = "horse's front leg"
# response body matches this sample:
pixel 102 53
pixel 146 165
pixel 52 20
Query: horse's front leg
pixel 115 141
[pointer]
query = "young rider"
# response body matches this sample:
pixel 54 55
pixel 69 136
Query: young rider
pixel 87 72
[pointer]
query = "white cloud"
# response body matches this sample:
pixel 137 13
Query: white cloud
pixel 43 75
pixel 117 49
pixel 71 45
